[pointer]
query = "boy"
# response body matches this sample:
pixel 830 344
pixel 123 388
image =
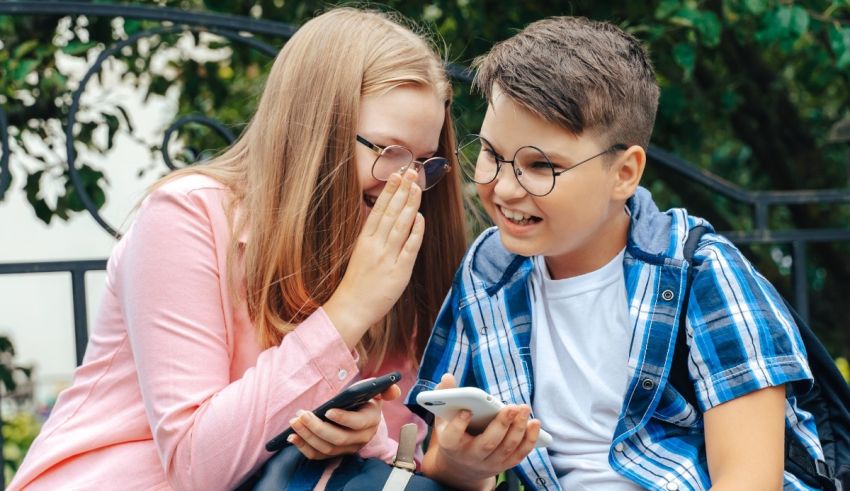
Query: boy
pixel 569 307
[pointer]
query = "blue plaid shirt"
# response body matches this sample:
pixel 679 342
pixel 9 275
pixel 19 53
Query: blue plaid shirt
pixel 740 334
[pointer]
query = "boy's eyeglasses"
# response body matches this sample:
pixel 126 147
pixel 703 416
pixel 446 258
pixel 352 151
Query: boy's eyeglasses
pixel 533 170
pixel 396 158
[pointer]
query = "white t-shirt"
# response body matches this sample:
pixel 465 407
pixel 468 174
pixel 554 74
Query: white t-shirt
pixel 580 339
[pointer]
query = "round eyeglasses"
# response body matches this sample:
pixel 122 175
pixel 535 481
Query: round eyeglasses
pixel 396 158
pixel 532 168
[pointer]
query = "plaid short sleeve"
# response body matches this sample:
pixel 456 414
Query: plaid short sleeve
pixel 447 352
pixel 742 337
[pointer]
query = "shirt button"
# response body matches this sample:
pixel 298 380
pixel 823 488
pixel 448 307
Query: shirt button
pixel 667 295
pixel 647 384
pixel 619 447
pixel 671 486
pixel 342 373
pixel 541 481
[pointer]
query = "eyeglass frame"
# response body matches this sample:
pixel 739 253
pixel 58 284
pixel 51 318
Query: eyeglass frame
pixel 617 147
pixel 378 149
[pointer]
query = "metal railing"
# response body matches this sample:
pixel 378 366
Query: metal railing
pixel 242 30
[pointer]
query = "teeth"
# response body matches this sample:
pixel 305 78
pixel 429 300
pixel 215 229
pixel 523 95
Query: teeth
pixel 517 217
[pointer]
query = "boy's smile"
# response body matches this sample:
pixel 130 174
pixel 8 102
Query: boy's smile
pixel 581 224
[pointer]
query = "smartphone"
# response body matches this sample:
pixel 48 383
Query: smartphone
pixel 446 403
pixel 351 398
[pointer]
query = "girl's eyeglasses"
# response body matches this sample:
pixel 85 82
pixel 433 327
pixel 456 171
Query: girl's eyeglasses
pixel 396 158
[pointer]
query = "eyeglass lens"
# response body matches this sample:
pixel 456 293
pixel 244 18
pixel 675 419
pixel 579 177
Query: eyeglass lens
pixel 479 163
pixel 395 158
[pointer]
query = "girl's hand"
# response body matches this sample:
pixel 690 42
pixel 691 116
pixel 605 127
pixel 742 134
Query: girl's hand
pixel 382 262
pixel 319 440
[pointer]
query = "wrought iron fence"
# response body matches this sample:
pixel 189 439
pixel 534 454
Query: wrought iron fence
pixel 243 30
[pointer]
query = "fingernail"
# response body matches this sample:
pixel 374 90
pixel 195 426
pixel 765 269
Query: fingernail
pixel 331 414
pixel 394 179
pixel 300 412
pixel 291 438
pixel 292 421
pixel 465 415
pixel 410 175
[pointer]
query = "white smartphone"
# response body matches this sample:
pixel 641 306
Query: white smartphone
pixel 445 403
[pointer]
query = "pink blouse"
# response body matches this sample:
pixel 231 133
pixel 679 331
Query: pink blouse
pixel 174 391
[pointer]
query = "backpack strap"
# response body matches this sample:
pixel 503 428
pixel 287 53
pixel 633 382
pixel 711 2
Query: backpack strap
pixel 796 455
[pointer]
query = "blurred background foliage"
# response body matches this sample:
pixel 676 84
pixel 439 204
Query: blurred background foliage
pixel 755 91
pixel 20 422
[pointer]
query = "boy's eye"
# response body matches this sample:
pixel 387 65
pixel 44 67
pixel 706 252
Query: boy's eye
pixel 540 165
pixel 489 153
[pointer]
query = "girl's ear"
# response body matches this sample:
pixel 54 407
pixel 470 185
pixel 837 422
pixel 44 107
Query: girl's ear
pixel 628 171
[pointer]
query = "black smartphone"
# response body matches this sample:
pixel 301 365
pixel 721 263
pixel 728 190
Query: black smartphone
pixel 351 398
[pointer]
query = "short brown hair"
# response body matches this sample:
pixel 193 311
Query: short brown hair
pixel 580 74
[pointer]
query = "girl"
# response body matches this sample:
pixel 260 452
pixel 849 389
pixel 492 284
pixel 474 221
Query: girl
pixel 261 284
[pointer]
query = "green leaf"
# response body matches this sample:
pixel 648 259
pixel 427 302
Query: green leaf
pixel 132 26
pixel 730 100
pixel 6 345
pixel 98 196
pixel 24 68
pixel 113 125
pixel 799 20
pixel 666 8
pixel 90 179
pixel 686 16
pixel 839 41
pixel 709 28
pixel 794 19
pixel 685 57
pixel 76 48
pixel 8 380
pixel 755 7
pixel 25 48
pixel 673 99
pixel 126 116
pixel 159 85
pixel 42 211
pixel 89 176
pixel 72 200
pixel 33 185
pixel 86 131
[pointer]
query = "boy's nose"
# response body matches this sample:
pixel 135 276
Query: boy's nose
pixel 507 184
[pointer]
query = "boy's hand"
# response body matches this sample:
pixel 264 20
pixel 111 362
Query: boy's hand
pixel 319 440
pixel 472 462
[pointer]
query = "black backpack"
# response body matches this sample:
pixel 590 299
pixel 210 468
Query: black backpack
pixel 828 401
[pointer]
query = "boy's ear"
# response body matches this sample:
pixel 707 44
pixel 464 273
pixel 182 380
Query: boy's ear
pixel 629 170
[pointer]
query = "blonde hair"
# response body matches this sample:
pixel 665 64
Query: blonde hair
pixel 293 179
